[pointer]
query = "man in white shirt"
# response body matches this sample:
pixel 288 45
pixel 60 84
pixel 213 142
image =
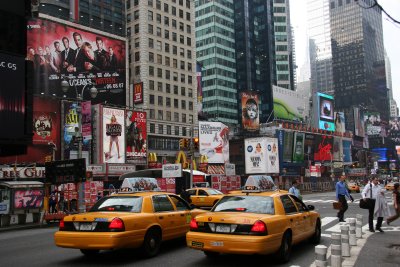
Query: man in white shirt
pixel 371 191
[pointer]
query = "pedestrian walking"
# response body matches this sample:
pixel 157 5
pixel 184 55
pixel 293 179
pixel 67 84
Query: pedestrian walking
pixel 52 203
pixel 341 194
pixel 396 204
pixel 295 190
pixel 381 209
pixel 371 191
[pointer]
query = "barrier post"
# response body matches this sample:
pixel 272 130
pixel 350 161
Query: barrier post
pixel 359 224
pixel 352 232
pixel 344 231
pixel 336 250
pixel 320 256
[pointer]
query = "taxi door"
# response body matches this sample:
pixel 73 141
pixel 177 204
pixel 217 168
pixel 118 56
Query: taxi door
pixel 184 215
pixel 294 217
pixel 199 199
pixel 307 219
pixel 166 216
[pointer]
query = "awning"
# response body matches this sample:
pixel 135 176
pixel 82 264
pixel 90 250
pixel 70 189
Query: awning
pixel 22 184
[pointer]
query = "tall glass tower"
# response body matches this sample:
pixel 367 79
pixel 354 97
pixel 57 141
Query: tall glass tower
pixel 358 61
pixel 215 44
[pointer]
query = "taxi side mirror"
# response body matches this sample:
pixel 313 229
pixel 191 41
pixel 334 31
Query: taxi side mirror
pixel 310 207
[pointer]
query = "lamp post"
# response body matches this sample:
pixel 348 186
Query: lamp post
pixel 93 93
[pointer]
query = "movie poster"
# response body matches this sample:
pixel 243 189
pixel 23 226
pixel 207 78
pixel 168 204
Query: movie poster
pixel 86 120
pixel 214 141
pixel 113 135
pixel 298 147
pixel 250 111
pixel 84 59
pixel 136 137
pixel 46 121
pixel 261 155
pixel 340 122
pixel 28 199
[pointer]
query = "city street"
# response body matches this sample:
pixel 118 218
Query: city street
pixel 36 247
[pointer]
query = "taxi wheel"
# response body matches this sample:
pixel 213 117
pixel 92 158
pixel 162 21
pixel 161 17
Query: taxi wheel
pixel 286 248
pixel 152 243
pixel 211 254
pixel 89 252
pixel 316 238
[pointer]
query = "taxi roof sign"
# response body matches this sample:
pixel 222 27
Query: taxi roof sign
pixel 139 184
pixel 258 183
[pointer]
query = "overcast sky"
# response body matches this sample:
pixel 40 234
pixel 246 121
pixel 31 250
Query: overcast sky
pixel 391 35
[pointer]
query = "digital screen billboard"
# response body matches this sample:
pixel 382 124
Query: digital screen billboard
pixel 65 51
pixel 324 109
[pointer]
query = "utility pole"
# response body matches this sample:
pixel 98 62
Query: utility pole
pixel 191 156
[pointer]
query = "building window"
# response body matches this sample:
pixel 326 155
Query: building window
pixel 187 16
pixel 166 21
pixel 152 114
pixel 174 50
pixel 151 43
pixel 158 18
pixel 137 70
pixel 182 51
pixel 173 10
pixel 160 115
pixel 167 61
pixel 168 115
pixel 176 116
pixel 152 128
pixel 151 84
pixel 189 79
pixel 167 74
pixel 158 31
pixel 174 36
pixel 181 26
pixel 159 59
pixel 177 130
pixel 182 65
pixel 176 90
pixel 159 86
pixel 190 92
pixel 168 101
pixel 176 103
pixel 137 42
pixel 151 70
pixel 189 66
pixel 160 129
pixel 175 63
pixel 150 29
pixel 158 4
pixel 188 41
pixel 136 15
pixel 181 39
pixel 175 76
pixel 151 99
pixel 167 88
pixel 137 56
pixel 166 34
pixel 184 131
pixel 183 104
pixel 159 45
pixel 183 91
pixel 166 9
pixel 183 78
pixel 151 57
pixel 166 48
pixel 181 13
pixel 150 15
pixel 169 131
pixel 137 28
pixel 174 24
pixel 190 105
pixel 159 73
pixel 188 29
pixel 183 117
pixel 189 54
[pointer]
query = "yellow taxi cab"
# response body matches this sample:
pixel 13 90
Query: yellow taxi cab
pixel 204 196
pixel 259 220
pixel 353 187
pixel 130 219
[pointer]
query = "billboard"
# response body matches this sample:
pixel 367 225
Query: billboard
pixel 324 112
pixel 372 122
pixel 340 122
pixel 214 141
pixel 393 131
pixel 86 120
pixel 28 199
pixel 113 132
pixel 65 51
pixel 12 97
pixel 136 136
pixel 359 128
pixel 288 104
pixel 70 135
pixel 250 111
pixel 261 155
pixel 46 121
pixel 298 147
pixel 138 93
pixel 323 145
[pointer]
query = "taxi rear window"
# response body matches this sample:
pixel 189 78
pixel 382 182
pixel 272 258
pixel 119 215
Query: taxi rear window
pixel 251 204
pixel 214 192
pixel 120 203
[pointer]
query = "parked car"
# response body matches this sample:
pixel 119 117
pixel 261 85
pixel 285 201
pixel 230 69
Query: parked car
pixel 204 196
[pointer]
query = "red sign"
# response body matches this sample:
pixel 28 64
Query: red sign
pixel 138 93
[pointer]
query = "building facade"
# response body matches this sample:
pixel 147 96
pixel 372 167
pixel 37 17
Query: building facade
pixel 215 45
pixel 162 57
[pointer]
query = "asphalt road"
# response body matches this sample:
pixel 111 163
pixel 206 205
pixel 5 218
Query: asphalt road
pixel 35 247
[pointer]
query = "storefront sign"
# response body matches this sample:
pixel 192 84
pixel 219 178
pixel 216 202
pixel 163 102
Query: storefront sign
pixel 96 169
pixel 171 170
pixel 22 172
pixel 120 169
pixel 230 169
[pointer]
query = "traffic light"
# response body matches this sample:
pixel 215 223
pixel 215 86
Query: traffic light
pixel 181 143
pixel 196 143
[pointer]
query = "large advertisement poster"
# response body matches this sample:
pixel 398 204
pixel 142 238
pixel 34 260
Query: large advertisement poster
pixel 261 155
pixel 46 121
pixel 325 111
pixel 255 155
pixel 359 127
pixel 340 122
pixel 250 111
pixel 288 104
pixel 136 136
pixel 138 93
pixel 288 146
pixel 86 120
pixel 347 151
pixel 214 141
pixel 323 148
pixel 394 129
pixel 28 199
pixel 372 122
pixel 12 96
pixel 298 147
pixel 64 51
pixel 113 135
pixel 337 149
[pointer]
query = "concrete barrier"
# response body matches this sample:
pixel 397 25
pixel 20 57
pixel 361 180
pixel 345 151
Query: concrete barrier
pixel 336 250
pixel 320 256
pixel 359 224
pixel 352 232
pixel 344 231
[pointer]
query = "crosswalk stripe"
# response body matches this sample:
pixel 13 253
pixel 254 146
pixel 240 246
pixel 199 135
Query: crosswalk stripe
pixel 327 220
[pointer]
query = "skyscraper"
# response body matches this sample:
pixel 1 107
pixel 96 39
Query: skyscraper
pixel 255 51
pixel 162 58
pixel 215 45
pixel 104 15
pixel 358 62
pixel 319 31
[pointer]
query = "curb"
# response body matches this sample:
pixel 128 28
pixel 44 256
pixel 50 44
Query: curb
pixel 27 227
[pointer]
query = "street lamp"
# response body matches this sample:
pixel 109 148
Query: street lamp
pixel 93 93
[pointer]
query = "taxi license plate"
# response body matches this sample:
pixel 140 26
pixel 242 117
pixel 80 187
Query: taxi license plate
pixel 223 228
pixel 197 244
pixel 85 227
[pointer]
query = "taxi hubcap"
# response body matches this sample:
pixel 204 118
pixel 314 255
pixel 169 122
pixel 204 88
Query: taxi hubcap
pixel 152 243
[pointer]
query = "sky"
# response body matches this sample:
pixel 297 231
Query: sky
pixel 391 35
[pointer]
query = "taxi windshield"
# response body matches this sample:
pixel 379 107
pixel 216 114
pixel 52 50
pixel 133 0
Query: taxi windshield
pixel 214 192
pixel 251 204
pixel 118 203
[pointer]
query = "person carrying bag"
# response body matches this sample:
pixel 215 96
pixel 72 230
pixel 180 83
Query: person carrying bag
pixel 369 195
pixel 341 194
